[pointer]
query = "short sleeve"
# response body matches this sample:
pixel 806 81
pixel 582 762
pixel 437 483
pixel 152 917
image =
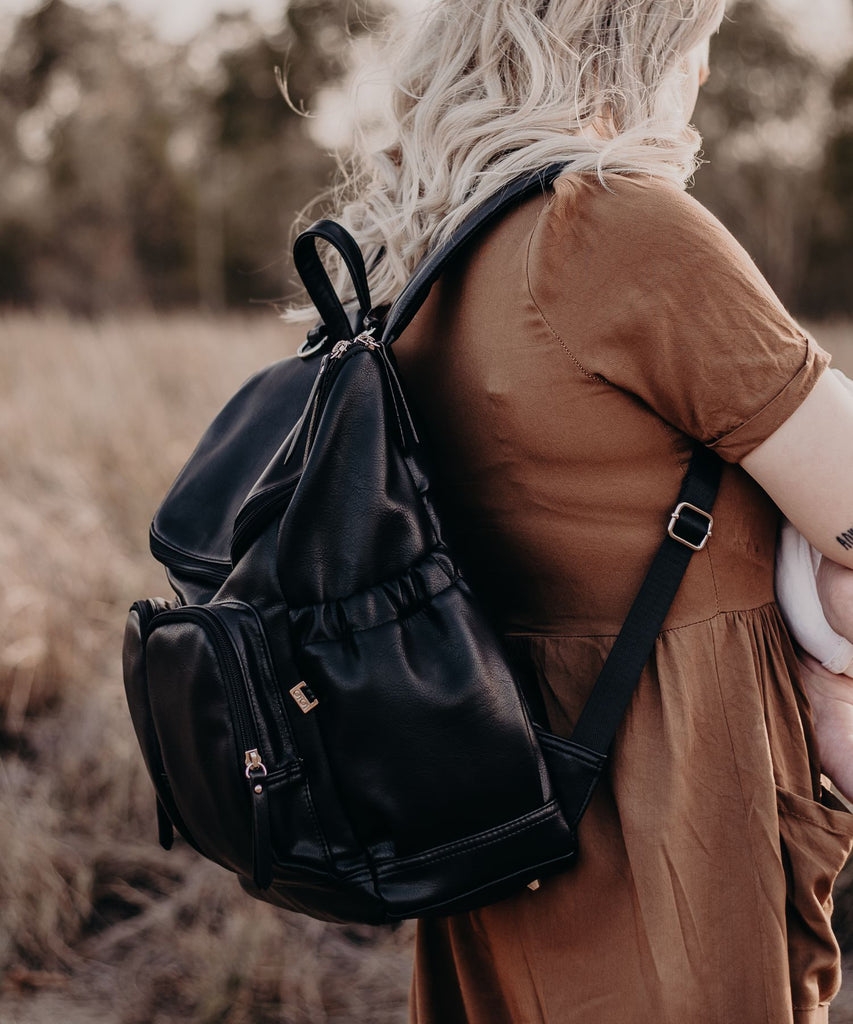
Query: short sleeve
pixel 648 291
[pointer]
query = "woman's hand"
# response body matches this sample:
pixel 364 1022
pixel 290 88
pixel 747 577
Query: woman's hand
pixel 835 589
pixel 831 699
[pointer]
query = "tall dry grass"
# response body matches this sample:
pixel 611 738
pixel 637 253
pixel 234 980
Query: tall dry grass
pixel 96 420
pixel 97 924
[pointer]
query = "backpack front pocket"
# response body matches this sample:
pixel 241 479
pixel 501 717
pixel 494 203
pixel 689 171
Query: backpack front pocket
pixel 221 732
pixel 403 674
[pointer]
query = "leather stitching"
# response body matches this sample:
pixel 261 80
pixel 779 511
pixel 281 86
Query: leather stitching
pixel 494 835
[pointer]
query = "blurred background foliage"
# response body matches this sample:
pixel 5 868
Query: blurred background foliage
pixel 140 173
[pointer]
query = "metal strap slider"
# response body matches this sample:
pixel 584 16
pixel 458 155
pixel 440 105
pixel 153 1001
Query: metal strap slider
pixel 693 527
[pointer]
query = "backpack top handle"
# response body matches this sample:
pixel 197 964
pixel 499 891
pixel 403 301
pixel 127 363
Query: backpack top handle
pixel 316 279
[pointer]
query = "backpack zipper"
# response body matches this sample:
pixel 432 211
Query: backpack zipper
pixel 326 379
pixel 211 569
pixel 254 511
pixel 365 338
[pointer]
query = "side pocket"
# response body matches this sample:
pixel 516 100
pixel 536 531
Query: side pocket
pixel 208 674
pixel 135 672
pixel 425 734
pixel 816 839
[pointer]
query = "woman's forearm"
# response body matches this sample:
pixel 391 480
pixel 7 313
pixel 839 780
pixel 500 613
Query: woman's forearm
pixel 806 467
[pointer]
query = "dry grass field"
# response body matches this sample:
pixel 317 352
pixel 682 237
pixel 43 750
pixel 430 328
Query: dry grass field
pixel 97 924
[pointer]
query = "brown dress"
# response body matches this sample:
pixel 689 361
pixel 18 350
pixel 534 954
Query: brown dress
pixel 562 368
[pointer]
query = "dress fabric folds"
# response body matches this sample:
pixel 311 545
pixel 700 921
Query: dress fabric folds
pixel 562 369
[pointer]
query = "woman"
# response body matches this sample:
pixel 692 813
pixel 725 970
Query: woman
pixel 563 369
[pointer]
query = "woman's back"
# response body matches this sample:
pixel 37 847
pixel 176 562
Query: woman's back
pixel 562 370
pixel 563 367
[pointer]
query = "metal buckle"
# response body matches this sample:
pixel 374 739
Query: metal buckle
pixel 676 515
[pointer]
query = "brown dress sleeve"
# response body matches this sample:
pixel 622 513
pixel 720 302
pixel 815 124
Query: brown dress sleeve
pixel 673 310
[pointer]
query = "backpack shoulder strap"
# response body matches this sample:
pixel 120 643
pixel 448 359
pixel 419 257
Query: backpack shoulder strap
pixel 689 529
pixel 413 295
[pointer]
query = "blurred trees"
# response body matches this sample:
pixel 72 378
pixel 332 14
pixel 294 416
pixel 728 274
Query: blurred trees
pixel 138 172
pixel 762 115
pixel 777 122
pixel 829 279
pixel 82 124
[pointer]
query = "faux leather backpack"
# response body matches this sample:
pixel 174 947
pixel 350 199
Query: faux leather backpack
pixel 324 708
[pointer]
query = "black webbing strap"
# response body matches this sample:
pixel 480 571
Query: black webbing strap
pixel 615 686
pixel 412 297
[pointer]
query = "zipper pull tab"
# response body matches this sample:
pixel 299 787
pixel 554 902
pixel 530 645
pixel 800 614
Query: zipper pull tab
pixel 254 764
pixel 298 427
pixel 366 338
pixel 262 873
pixel 165 832
pixel 339 348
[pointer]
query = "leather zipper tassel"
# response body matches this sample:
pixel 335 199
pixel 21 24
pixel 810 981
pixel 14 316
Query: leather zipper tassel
pixel 165 829
pixel 261 837
pixel 329 370
pixel 298 427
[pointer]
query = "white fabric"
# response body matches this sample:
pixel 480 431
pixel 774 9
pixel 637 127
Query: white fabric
pixel 796 591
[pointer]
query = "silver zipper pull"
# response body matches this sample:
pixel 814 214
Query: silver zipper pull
pixel 339 348
pixel 254 763
pixel 366 338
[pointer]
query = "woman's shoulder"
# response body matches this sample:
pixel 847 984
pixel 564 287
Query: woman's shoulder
pixel 643 236
pixel 637 215
pixel 659 299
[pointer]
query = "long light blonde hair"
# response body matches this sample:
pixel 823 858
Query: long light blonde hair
pixel 484 90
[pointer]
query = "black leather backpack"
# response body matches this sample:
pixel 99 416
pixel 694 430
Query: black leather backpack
pixel 324 708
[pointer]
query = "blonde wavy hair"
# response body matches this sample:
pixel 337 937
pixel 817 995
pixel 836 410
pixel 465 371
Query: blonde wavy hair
pixel 484 90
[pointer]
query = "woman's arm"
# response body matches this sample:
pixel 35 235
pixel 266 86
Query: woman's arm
pixel 806 466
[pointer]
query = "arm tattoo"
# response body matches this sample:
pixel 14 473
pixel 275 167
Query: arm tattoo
pixel 846 539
